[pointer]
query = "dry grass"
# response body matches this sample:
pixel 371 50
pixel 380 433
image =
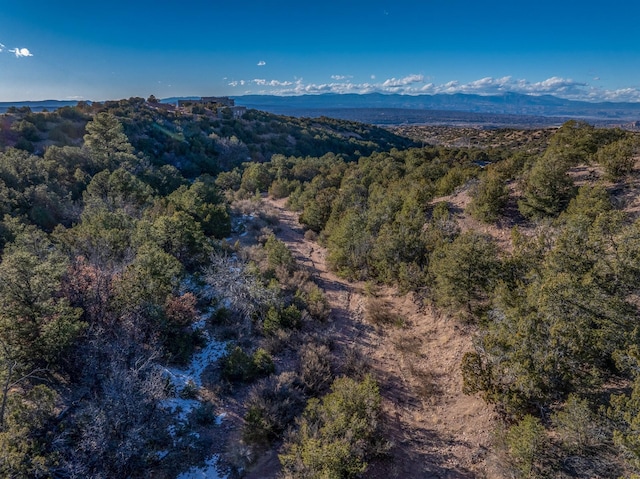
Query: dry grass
pixel 424 382
pixel 408 344
pixel 380 312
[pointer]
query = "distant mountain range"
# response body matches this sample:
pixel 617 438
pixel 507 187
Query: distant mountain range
pixel 37 105
pixel 507 104
pixel 506 109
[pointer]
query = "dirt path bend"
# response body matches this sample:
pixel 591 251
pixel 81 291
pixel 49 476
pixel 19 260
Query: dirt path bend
pixel 435 430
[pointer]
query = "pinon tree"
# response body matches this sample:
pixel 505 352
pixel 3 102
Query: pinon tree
pixel 37 326
pixel 464 271
pixel 106 143
pixel 36 323
pixel 618 157
pixel 337 435
pixel 547 189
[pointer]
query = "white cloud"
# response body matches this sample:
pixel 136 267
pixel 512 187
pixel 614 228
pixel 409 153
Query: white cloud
pixel 274 83
pixel 262 63
pixel 417 84
pixel 18 52
pixel 449 87
pixel 402 82
pixel 428 88
pixel 623 94
pixel 554 84
pixel 490 84
pixel 557 86
pixel 21 52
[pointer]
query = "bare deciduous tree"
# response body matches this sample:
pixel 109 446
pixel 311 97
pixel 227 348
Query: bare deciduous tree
pixel 239 288
pixel 109 432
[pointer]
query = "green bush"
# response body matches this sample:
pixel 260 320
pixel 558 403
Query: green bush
pixel 238 366
pixel 281 188
pixel 336 435
pixel 527 442
pixel 624 412
pixel 25 428
pixel 204 415
pixel 262 363
pixel 455 177
pixel 278 255
pixel 277 319
pixel 315 301
pixel 272 406
pixel 577 425
pixel 464 271
pixel 190 390
pixel 617 158
pixel 547 189
pixel 489 198
pixel 315 368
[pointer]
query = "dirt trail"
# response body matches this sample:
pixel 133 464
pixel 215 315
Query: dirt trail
pixel 436 430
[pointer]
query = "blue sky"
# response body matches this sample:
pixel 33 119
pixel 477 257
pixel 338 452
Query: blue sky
pixel 67 49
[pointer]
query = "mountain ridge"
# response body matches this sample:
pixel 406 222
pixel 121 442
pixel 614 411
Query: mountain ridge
pixel 508 103
pixel 402 108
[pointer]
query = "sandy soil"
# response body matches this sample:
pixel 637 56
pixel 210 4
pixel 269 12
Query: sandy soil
pixel 435 430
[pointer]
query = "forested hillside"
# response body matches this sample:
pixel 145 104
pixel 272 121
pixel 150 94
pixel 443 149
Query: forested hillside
pixel 114 271
pixel 155 316
pixel 537 251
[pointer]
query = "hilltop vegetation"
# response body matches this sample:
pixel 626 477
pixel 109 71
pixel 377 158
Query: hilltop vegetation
pixel 116 273
pixel 555 313
pixel 197 140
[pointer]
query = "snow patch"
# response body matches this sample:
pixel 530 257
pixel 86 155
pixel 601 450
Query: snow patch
pixel 239 225
pixel 213 351
pixel 200 324
pixel 191 377
pixel 220 418
pixel 191 285
pixel 188 285
pixel 180 408
pixel 208 471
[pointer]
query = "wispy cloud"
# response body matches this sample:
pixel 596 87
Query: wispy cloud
pixel 393 83
pixel 18 52
pixel 21 52
pixel 341 77
pixel 262 63
pixel 415 84
pixel 273 83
